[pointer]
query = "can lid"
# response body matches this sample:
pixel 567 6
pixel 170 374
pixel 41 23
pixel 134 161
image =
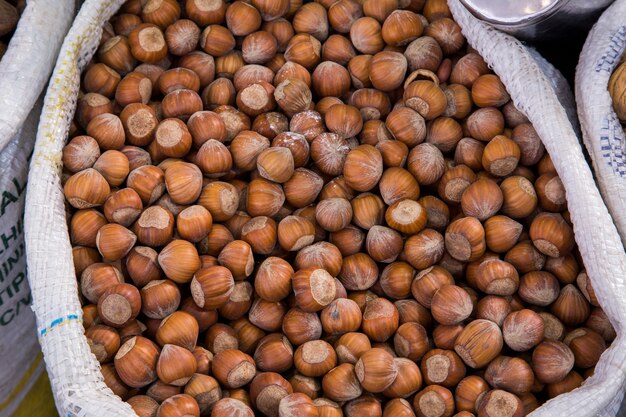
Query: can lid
pixel 511 12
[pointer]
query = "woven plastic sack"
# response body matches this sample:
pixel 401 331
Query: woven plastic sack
pixel 602 132
pixel 24 72
pixel 74 371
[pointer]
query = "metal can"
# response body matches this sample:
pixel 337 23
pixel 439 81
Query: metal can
pixel 538 19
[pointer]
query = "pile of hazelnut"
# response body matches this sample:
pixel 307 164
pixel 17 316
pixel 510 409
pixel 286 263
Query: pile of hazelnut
pixel 10 11
pixel 327 208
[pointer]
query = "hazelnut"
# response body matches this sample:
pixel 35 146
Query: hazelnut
pixel 434 400
pixel 135 87
pixel 501 232
pixel 160 391
pixel 571 307
pixel 239 302
pixel 498 402
pixel 270 124
pixel 274 353
pixel 84 227
pixel 276 164
pixel 306 385
pixel 115 53
pixel 315 358
pixel 364 405
pixel 220 337
pixel 211 287
pixel 376 370
pixel 520 198
pixel 485 123
pixel 482 199
pixel 565 268
pixel 311 18
pixel 453 182
pixel 297 404
pixel 300 326
pixel 232 407
pixel 136 361
pixel 256 99
pixel 444 133
pixel 176 365
pixel 401 27
pixel 479 343
pixel 233 368
pixel 295 232
pixel 469 392
pixel 342 15
pixel 552 361
pixel 572 381
pixel 205 390
pixel 496 277
pixel 408 381
pixel 522 330
pixel 387 70
pixel 293 96
pixel 443 367
pixel 465 239
pixel 330 79
pixel 267 315
pixel 267 390
pixel 426 98
pixel 179 405
pixel 339 49
pixel 159 299
pixel 358 272
pixel 411 341
pixel 586 345
pixel 87 188
pixel 488 91
pixel 140 122
pixel 143 405
pixel 500 156
pixel 242 18
pixel 304 49
pixel 366 35
pixel 259 47
pixel 282 30
pixel 341 383
pixel 469 152
pixel 272 10
pixel 539 288
pixel 104 342
pixel 599 323
pixel 526 137
pixel 114 241
pixel 314 289
pixel 451 305
pixel 80 153
pixel 380 319
pixel 494 308
pixel 363 168
pixel 459 101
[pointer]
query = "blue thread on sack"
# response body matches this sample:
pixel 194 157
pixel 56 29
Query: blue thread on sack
pixel 56 322
pixel 614 51
pixel 612 145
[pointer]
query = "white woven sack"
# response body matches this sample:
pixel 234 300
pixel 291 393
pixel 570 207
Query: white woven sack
pixel 602 131
pixel 596 234
pixel 24 71
pixel 74 371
